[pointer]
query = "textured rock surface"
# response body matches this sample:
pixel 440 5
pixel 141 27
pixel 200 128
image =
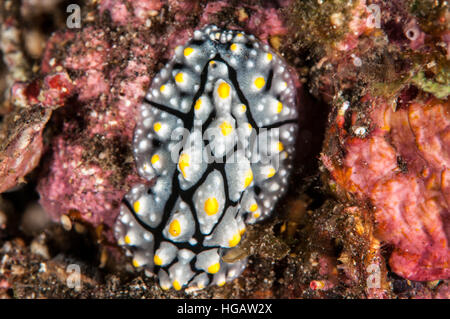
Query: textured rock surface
pixel 326 245
pixel 402 167
pixel 387 142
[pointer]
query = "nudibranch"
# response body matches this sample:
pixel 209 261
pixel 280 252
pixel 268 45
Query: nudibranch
pixel 214 139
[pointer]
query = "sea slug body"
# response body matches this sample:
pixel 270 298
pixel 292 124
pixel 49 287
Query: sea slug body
pixel 215 139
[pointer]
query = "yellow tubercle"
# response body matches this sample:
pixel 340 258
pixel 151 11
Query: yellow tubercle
pixel 135 263
pixel 272 172
pixel 137 206
pixel 179 78
pixel 259 83
pixel 175 228
pixel 211 206
pixel 253 207
pixel 176 285
pixel 279 107
pixel 224 90
pixel 155 159
pixel 198 104
pixel 162 88
pixel 127 240
pixel 214 268
pixel 183 163
pixel 234 240
pixel 248 178
pixel 280 147
pixel 157 126
pixel 157 260
pixel 269 57
pixel 233 47
pixel 187 51
pixel 226 128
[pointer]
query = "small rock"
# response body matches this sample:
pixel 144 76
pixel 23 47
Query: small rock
pixel 66 222
pixel 42 267
pixel 35 219
pixel 39 248
pixel 3 219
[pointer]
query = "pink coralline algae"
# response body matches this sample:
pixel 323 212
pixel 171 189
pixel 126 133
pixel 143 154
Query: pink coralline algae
pixel 130 12
pixel 363 20
pixel 402 167
pixel 264 22
pixel 386 146
pixel 106 94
